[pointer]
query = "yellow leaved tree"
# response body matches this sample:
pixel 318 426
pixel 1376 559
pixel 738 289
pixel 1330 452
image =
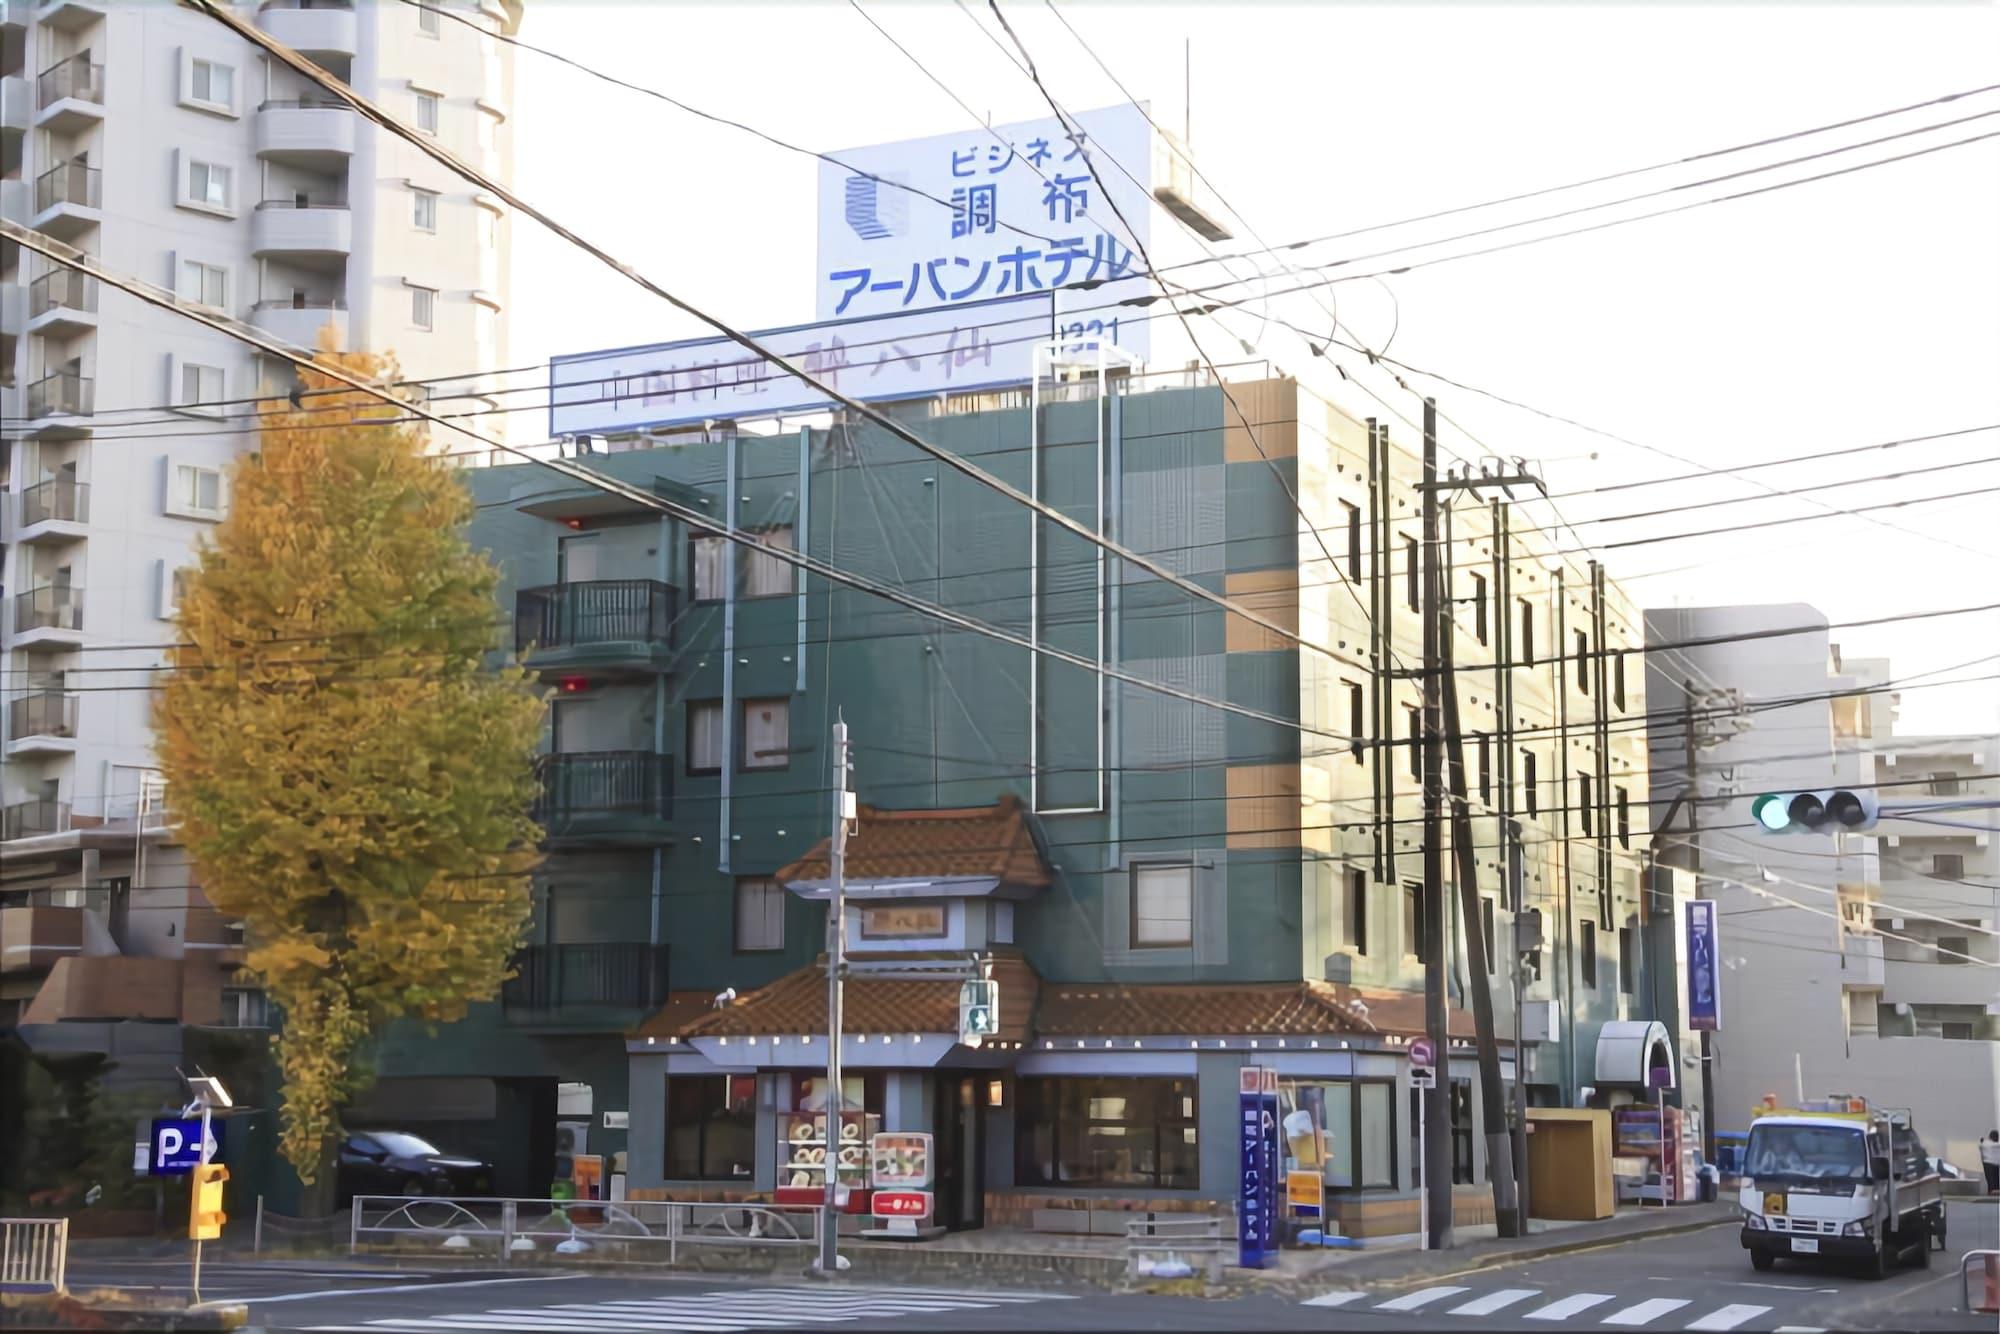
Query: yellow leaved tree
pixel 350 775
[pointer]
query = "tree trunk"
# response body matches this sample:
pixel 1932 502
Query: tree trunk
pixel 318 1197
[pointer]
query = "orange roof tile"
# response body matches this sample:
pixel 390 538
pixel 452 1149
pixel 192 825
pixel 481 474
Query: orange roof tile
pixel 796 1003
pixel 682 1008
pixel 994 841
pixel 1197 1009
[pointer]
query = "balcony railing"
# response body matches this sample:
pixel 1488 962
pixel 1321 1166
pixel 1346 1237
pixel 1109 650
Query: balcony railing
pixel 61 287
pixel 78 77
pixel 43 713
pixel 302 104
pixel 71 183
pixel 27 819
pixel 304 303
pixel 59 498
pixel 55 607
pixel 606 782
pixel 64 393
pixel 296 205
pixel 599 611
pixel 621 975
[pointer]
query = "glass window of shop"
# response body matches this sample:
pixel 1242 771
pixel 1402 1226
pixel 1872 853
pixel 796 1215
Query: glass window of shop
pixel 711 1127
pixel 805 1148
pixel 1088 1131
pixel 1348 1130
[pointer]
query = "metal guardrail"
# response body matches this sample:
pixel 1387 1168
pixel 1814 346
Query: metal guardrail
pixel 1152 1243
pixel 1992 1259
pixel 633 1231
pixel 34 1254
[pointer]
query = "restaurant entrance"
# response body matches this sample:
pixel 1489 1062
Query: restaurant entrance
pixel 959 1116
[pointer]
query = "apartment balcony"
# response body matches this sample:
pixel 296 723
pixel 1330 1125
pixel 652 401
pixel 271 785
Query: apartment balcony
pixel 317 134
pixel 71 15
pixel 1935 979
pixel 312 27
pixel 69 95
pixel 13 311
pixel 318 232
pixel 31 819
pixel 17 104
pixel 51 512
pixel 608 986
pixel 42 722
pixel 60 405
pixel 62 303
pixel 69 201
pixel 50 616
pixel 599 623
pixel 15 16
pixel 1862 968
pixel 17 198
pixel 33 939
pixel 612 796
pixel 300 322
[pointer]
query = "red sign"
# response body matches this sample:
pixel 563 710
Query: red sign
pixel 902 1204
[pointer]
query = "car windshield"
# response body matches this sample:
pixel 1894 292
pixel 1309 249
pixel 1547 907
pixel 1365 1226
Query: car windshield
pixel 1807 1153
pixel 403 1145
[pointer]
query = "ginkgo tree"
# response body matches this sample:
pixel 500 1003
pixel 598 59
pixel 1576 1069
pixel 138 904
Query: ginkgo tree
pixel 351 774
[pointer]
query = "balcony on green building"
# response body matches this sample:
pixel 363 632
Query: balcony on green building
pixel 600 624
pixel 607 796
pixel 598 986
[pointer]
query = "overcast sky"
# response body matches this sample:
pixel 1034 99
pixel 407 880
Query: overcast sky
pixel 1844 312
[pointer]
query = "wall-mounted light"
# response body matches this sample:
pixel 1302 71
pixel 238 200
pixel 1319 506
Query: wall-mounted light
pixel 996 1093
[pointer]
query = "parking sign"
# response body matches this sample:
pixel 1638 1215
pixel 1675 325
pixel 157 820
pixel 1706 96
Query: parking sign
pixel 176 1144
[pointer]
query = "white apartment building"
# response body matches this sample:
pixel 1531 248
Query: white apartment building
pixel 166 146
pixel 1852 963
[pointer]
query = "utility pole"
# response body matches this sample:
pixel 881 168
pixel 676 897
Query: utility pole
pixel 1517 885
pixel 830 1263
pixel 1693 793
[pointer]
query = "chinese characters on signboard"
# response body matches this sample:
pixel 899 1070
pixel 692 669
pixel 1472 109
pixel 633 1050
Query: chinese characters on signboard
pixel 1704 974
pixel 1257 1194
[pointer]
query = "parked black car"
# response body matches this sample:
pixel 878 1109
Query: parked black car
pixel 395 1162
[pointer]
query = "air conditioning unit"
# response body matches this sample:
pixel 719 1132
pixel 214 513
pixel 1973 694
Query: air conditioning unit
pixel 1540 1021
pixel 572 1138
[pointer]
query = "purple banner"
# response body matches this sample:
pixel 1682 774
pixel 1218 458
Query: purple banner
pixel 1704 972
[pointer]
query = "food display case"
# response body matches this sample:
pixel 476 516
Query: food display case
pixel 806 1153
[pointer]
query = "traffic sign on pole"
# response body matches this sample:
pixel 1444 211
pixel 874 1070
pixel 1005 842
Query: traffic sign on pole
pixel 1423 1064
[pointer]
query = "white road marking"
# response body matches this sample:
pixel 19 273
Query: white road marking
pixel 1334 1298
pixel 1800 1329
pixel 407 1287
pixel 1493 1301
pixel 1569 1306
pixel 598 1317
pixel 1645 1312
pixel 473 1320
pixel 1728 1317
pixel 1421 1298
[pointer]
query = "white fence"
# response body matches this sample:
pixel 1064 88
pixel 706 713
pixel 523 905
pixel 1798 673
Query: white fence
pixel 640 1231
pixel 34 1253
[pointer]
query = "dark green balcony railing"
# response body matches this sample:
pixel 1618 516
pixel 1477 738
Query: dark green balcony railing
pixel 606 783
pixel 615 975
pixel 596 611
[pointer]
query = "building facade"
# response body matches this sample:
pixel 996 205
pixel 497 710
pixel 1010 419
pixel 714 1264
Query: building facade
pixel 1163 891
pixel 1855 962
pixel 159 142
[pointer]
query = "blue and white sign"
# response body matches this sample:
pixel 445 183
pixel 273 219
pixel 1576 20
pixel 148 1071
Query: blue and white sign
pixel 177 1144
pixel 1704 975
pixel 960 348
pixel 1257 1192
pixel 988 212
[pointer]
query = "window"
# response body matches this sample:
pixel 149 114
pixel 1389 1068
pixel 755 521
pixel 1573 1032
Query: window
pixel 1956 1032
pixel 1584 805
pixel 1583 662
pixel 765 575
pixel 1479 607
pixel 1525 655
pixel 1485 744
pixel 1954 949
pixel 1460 1103
pixel 244 1007
pixel 208 185
pixel 1353 513
pixel 1624 818
pixel 428 21
pixel 1357 721
pixel 1528 783
pixel 760 915
pixel 1360 1118
pixel 1944 784
pixel 1413 919
pixel 1090 1131
pixel 711 1128
pixel 767 733
pixel 710 560
pixel 1947 866
pixel 205 284
pixel 1618 679
pixel 424 210
pixel 1586 948
pixel 704 737
pixel 1357 911
pixel 427 112
pixel 212 83
pixel 1412 575
pixel 1416 717
pixel 200 384
pixel 1162 907
pixel 423 306
pixel 1628 961
pixel 197 490
pixel 1486 933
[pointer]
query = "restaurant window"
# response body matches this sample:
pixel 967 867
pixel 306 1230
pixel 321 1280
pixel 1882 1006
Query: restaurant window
pixel 1357 911
pixel 767 733
pixel 1162 906
pixel 711 1128
pixel 1107 1132
pixel 1358 1130
pixel 1353 515
pixel 760 915
pixel 1357 721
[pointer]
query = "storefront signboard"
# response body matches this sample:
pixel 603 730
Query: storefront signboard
pixel 1305 1193
pixel 912 1205
pixel 1704 980
pixel 900 1160
pixel 1257 1193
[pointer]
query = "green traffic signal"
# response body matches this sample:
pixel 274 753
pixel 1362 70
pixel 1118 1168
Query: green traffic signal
pixel 1773 811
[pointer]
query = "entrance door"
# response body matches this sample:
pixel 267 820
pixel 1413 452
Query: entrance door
pixel 960 1142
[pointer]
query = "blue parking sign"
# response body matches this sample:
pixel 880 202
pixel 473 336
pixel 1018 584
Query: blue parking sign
pixel 177 1144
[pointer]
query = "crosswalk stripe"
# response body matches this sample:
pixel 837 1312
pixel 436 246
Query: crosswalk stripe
pixel 1421 1298
pixel 619 1310
pixel 1641 1313
pixel 919 1291
pixel 1728 1317
pixel 1493 1301
pixel 589 1315
pixel 1334 1298
pixel 462 1322
pixel 1800 1329
pixel 1568 1306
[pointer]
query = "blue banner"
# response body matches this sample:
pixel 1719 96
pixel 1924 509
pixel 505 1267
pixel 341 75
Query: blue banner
pixel 176 1146
pixel 1257 1194
pixel 1704 974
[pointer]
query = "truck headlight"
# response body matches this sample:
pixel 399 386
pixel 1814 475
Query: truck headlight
pixel 1858 1228
pixel 1755 1222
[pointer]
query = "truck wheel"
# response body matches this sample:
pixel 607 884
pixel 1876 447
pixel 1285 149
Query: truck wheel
pixel 1762 1261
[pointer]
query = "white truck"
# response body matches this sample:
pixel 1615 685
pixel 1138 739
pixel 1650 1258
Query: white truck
pixel 1839 1179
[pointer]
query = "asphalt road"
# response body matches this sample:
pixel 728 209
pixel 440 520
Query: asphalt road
pixel 1699 1281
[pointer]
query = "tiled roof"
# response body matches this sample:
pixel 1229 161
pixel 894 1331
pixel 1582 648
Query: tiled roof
pixel 796 1003
pixel 1200 1009
pixel 681 1009
pixel 991 841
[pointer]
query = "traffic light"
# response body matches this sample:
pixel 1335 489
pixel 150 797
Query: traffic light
pixel 205 1216
pixel 1829 810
